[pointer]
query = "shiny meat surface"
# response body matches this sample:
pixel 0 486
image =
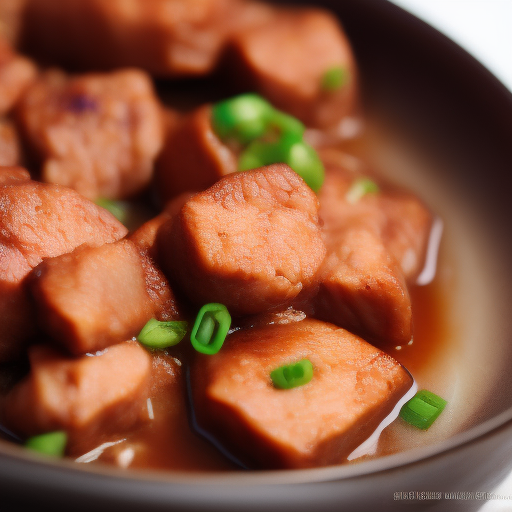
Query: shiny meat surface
pixel 354 387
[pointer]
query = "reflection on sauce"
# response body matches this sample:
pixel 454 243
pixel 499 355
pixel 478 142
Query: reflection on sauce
pixel 369 447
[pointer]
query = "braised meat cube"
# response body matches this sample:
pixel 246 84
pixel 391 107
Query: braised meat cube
pixel 301 61
pixel 94 297
pixel 38 221
pixel 98 133
pixel 10 175
pixel 193 156
pixel 88 397
pixel 145 236
pixel 11 14
pixel 363 290
pixel 398 218
pixel 164 37
pixel 16 74
pixel 407 231
pixel 9 144
pixel 353 388
pixel 251 241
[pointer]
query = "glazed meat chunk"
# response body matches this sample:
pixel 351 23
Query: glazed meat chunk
pixel 193 156
pixel 363 290
pixel 11 19
pixel 9 144
pixel 353 388
pixel 16 74
pixel 94 297
pixel 164 37
pixel 10 175
pixel 89 397
pixel 145 236
pixel 302 62
pixel 98 133
pixel 38 221
pixel 251 241
pixel 398 218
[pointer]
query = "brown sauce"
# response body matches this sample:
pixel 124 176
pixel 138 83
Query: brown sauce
pixel 168 442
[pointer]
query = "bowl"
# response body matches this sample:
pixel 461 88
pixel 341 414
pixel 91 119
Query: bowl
pixel 442 125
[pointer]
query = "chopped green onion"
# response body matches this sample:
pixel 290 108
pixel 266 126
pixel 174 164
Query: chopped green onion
pixel 292 375
pixel 157 334
pixel 260 153
pixel 304 160
pixel 423 409
pixel 334 78
pixel 287 125
pixel 301 157
pixel 242 118
pixel 360 188
pixel 210 328
pixel 52 443
pixel 119 209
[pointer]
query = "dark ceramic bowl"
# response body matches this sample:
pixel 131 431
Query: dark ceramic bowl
pixel 434 102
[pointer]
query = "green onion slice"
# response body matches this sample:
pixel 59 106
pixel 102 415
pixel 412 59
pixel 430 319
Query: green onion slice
pixel 210 328
pixel 242 118
pixel 157 334
pixel 285 124
pixel 119 209
pixel 334 78
pixel 423 409
pixel 292 375
pixel 304 160
pixel 52 443
pixel 301 157
pixel 360 188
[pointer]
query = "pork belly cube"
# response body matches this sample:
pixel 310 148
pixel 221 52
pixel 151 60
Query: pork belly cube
pixel 164 37
pixel 9 144
pixel 193 157
pixel 94 297
pixel 251 241
pixel 16 74
pixel 398 218
pixel 37 221
pixel 96 133
pixel 287 59
pixel 353 388
pixel 88 397
pixel 363 290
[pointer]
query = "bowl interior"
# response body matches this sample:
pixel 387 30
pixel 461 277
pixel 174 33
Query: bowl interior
pixel 440 125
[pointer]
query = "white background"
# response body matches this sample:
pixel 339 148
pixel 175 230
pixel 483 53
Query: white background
pixel 484 29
